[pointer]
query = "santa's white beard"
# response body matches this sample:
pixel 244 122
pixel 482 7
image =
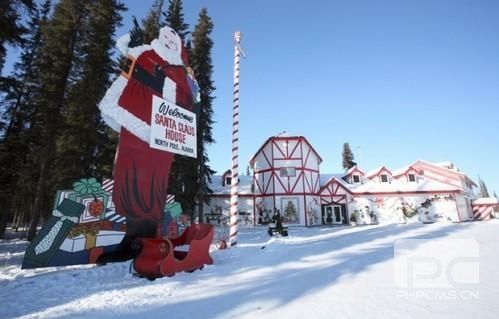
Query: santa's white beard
pixel 171 56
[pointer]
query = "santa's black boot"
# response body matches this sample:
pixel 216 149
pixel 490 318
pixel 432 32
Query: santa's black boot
pixel 129 247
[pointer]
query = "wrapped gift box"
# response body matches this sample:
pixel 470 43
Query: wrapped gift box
pixel 103 238
pixel 86 200
pixel 94 234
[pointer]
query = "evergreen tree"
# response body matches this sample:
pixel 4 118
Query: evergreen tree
pixel 483 188
pixel 203 69
pixel 17 175
pixel 84 146
pixel 174 18
pixel 152 23
pixel 58 55
pixel 347 157
pixel 183 183
pixel 248 173
pixel 12 29
pixel 52 113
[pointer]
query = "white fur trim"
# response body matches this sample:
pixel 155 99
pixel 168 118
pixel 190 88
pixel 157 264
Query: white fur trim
pixel 124 41
pixel 170 90
pixel 135 52
pixel 116 116
pixel 122 44
pixel 170 56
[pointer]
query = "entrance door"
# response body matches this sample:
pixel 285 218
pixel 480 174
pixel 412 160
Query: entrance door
pixel 337 217
pixel 332 215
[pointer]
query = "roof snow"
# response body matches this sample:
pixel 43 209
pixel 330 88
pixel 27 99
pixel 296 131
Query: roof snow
pixel 445 164
pixel 401 171
pixel 377 170
pixel 374 171
pixel 396 185
pixel 244 187
pixel 325 178
pixel 353 169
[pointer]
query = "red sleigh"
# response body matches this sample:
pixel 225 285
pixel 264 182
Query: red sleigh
pixel 163 257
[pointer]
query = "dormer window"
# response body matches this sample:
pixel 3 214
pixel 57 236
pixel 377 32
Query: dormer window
pixel 288 171
pixel 356 179
pixel 411 177
pixel 228 181
pixel 384 178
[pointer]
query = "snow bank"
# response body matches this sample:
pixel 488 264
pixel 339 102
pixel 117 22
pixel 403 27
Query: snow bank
pixel 322 272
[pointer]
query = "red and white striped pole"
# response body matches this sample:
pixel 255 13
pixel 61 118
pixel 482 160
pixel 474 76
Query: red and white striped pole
pixel 234 208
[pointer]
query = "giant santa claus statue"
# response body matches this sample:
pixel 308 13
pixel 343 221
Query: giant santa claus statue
pixel 141 173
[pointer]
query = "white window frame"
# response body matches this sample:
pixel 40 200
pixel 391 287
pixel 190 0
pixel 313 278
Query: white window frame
pixel 381 178
pixel 353 179
pixel 409 178
pixel 287 171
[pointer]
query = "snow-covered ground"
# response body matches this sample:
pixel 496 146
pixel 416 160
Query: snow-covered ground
pixel 339 272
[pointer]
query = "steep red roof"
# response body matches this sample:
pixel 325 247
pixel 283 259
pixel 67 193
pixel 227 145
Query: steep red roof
pixel 280 138
pixel 353 170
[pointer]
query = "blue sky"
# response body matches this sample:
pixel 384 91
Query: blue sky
pixel 399 80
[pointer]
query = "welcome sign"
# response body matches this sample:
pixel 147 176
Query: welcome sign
pixel 173 128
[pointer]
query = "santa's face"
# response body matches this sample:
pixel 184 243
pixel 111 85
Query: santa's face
pixel 170 39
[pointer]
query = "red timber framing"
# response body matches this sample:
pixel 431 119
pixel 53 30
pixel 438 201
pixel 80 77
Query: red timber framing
pixel 409 170
pixel 286 152
pixel 334 193
pixel 354 171
pixel 405 174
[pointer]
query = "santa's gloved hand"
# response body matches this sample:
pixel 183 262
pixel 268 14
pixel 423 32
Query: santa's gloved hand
pixel 158 77
pixel 158 73
pixel 136 35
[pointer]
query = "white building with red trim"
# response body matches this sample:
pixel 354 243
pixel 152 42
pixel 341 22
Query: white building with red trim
pixel 287 177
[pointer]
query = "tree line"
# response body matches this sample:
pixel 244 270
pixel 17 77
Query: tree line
pixel 51 131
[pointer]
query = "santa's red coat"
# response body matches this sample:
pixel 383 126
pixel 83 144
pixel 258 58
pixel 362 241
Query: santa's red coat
pixel 141 172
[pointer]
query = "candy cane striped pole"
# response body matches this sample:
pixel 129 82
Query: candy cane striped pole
pixel 234 209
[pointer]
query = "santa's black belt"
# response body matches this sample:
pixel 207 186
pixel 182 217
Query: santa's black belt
pixel 133 70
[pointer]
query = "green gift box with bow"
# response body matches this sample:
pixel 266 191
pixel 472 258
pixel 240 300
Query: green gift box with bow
pixel 175 209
